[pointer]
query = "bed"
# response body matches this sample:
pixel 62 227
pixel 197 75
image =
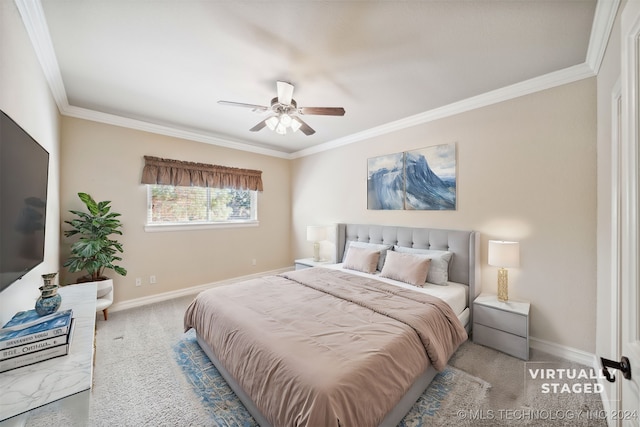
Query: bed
pixel 327 347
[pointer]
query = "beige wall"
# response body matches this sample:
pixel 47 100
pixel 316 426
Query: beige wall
pixel 25 97
pixel 526 171
pixel 106 161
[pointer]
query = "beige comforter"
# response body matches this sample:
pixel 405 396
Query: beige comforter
pixel 320 347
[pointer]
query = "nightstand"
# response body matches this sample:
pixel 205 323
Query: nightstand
pixel 309 262
pixel 502 325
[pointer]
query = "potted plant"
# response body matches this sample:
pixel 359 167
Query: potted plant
pixel 95 251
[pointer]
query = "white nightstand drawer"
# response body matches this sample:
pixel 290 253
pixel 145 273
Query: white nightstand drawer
pixel 508 343
pixel 303 263
pixel 506 321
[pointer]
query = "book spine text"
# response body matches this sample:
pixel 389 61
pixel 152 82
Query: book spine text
pixel 31 358
pixel 32 347
pixel 33 337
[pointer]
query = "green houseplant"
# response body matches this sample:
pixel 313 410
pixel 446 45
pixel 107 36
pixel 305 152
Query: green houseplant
pixel 94 251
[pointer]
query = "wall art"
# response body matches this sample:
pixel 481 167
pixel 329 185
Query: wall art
pixel 430 178
pixel 385 182
pixel 423 179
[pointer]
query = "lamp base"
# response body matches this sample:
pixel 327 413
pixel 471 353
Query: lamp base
pixel 316 251
pixel 503 285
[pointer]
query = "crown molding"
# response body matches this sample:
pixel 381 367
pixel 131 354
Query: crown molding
pixel 112 119
pixel 34 20
pixel 537 84
pixel 603 20
pixel 36 25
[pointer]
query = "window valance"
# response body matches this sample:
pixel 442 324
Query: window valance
pixel 190 174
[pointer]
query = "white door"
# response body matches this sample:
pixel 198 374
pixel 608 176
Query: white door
pixel 630 227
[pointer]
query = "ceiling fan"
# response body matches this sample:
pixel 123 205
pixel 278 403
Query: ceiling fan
pixel 285 112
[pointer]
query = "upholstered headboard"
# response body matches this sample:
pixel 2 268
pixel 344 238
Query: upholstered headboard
pixel 465 245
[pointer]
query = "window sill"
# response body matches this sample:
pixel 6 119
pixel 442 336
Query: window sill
pixel 153 228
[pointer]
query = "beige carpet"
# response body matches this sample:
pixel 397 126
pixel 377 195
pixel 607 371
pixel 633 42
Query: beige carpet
pixel 516 399
pixel 137 382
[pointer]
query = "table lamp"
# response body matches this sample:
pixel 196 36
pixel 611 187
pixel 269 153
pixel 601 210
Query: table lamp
pixel 503 254
pixel 316 234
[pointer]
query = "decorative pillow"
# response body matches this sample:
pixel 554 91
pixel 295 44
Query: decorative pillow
pixel 439 268
pixel 362 259
pixel 408 268
pixel 372 246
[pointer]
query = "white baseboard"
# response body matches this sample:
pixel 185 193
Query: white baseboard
pixel 139 302
pixel 585 358
pixel 568 353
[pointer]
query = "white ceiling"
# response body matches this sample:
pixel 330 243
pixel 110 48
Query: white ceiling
pixel 162 65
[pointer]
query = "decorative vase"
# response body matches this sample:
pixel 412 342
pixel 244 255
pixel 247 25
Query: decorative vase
pixel 49 301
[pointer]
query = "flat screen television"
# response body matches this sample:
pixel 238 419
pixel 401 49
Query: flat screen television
pixel 24 167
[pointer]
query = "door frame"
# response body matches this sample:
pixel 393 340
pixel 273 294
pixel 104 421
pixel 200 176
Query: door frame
pixel 613 398
pixel 630 238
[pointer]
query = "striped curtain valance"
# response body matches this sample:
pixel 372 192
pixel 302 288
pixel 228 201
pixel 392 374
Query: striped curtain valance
pixel 191 174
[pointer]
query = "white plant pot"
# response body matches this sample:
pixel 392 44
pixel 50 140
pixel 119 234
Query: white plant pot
pixel 104 295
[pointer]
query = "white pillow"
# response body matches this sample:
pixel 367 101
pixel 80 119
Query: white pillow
pixel 362 259
pixel 371 246
pixel 439 268
pixel 408 268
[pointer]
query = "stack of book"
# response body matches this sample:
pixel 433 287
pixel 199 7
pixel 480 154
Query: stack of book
pixel 29 338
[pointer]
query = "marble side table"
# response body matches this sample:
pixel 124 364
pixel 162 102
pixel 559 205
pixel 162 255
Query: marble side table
pixel 63 382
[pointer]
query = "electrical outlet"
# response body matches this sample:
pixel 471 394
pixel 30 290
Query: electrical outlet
pixel 253 262
pixel 138 281
pixel 152 279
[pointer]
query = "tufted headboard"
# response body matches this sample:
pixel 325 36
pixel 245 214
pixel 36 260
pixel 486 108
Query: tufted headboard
pixel 465 245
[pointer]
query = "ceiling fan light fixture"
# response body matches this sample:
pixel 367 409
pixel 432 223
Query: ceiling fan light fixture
pixel 284 110
pixel 285 120
pixel 281 129
pixel 282 123
pixel 272 122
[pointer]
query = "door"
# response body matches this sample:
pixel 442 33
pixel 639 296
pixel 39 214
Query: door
pixel 630 227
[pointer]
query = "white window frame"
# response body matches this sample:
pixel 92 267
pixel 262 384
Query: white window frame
pixel 202 225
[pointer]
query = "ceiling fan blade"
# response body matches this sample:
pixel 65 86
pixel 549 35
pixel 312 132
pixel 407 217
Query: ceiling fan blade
pixel 322 111
pixel 305 128
pixel 260 125
pixel 258 108
pixel 285 92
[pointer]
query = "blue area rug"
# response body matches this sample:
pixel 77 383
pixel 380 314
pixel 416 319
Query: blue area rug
pixel 449 391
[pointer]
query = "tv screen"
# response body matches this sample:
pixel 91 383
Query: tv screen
pixel 24 168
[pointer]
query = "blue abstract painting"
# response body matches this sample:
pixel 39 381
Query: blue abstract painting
pixel 385 182
pixel 430 178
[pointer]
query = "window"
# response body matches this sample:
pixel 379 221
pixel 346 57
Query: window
pixel 179 206
pixel 183 194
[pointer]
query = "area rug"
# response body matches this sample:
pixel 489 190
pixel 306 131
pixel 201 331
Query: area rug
pixel 451 391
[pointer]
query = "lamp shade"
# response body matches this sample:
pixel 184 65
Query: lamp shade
pixel 316 233
pixel 504 254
